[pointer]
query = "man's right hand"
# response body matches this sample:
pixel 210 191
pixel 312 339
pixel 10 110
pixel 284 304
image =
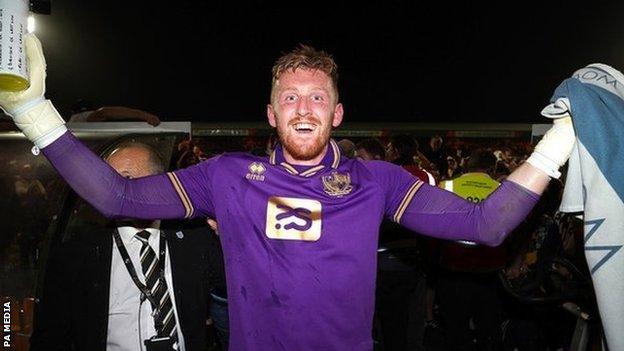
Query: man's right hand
pixel 35 116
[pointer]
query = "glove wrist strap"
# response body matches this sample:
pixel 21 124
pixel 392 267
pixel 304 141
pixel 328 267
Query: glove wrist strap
pixel 40 122
pixel 26 106
pixel 544 164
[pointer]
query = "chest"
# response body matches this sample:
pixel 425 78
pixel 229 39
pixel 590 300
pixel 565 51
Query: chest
pixel 276 205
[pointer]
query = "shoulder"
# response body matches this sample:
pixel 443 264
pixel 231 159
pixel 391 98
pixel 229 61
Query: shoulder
pixel 421 174
pixel 389 177
pixel 241 156
pixel 383 169
pixel 219 167
pixel 233 160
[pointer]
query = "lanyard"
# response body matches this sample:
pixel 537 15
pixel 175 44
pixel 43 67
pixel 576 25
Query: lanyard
pixel 145 291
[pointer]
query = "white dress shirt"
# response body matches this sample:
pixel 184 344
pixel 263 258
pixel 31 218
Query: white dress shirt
pixel 124 296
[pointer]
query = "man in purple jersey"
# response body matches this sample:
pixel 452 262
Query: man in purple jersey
pixel 298 228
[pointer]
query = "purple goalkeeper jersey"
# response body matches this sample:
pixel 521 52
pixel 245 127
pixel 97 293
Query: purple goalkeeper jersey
pixel 299 244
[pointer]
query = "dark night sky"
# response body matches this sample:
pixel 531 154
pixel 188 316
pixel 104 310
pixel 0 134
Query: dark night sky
pixel 404 61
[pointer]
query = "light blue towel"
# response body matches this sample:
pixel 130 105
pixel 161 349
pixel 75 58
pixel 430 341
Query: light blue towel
pixel 594 97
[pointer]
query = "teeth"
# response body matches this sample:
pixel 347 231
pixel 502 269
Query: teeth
pixel 304 126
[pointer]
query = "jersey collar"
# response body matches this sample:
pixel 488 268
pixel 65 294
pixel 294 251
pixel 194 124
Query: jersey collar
pixel 330 160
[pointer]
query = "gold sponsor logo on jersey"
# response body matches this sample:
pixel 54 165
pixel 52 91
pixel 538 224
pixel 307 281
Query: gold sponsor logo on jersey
pixel 256 171
pixel 293 219
pixel 337 184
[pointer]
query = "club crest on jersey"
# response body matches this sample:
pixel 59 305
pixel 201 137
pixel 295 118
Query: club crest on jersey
pixel 337 184
pixel 256 171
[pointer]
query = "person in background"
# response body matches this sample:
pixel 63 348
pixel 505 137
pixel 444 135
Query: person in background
pixel 453 169
pixel 467 288
pixel 401 150
pixel 90 300
pixel 370 149
pixel 347 148
pixel 436 153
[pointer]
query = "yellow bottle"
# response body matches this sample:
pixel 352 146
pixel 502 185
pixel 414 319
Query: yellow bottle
pixel 13 67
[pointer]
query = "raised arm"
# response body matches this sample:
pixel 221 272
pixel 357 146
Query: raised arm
pixel 114 196
pixel 438 213
pixel 149 198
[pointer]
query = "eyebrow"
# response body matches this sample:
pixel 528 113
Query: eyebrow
pixel 281 91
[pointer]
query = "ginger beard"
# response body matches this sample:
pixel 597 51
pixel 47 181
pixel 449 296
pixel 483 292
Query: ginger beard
pixel 304 145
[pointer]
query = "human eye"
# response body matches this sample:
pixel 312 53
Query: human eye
pixel 319 97
pixel 289 98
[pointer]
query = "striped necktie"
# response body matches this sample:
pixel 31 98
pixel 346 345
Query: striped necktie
pixel 158 286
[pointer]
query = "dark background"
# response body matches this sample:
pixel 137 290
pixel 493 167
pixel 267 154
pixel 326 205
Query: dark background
pixel 403 61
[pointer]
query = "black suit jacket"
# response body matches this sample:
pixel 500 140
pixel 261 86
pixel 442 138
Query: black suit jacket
pixel 72 313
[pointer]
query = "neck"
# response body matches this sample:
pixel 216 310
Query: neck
pixel 311 162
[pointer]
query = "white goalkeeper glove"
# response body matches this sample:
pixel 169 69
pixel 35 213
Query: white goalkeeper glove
pixel 35 116
pixel 555 148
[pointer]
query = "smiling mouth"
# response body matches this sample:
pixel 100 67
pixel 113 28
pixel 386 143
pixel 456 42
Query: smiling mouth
pixel 304 128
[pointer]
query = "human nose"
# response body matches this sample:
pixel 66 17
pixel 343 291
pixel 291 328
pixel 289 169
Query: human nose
pixel 303 107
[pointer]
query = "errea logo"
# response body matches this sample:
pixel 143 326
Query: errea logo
pixel 256 171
